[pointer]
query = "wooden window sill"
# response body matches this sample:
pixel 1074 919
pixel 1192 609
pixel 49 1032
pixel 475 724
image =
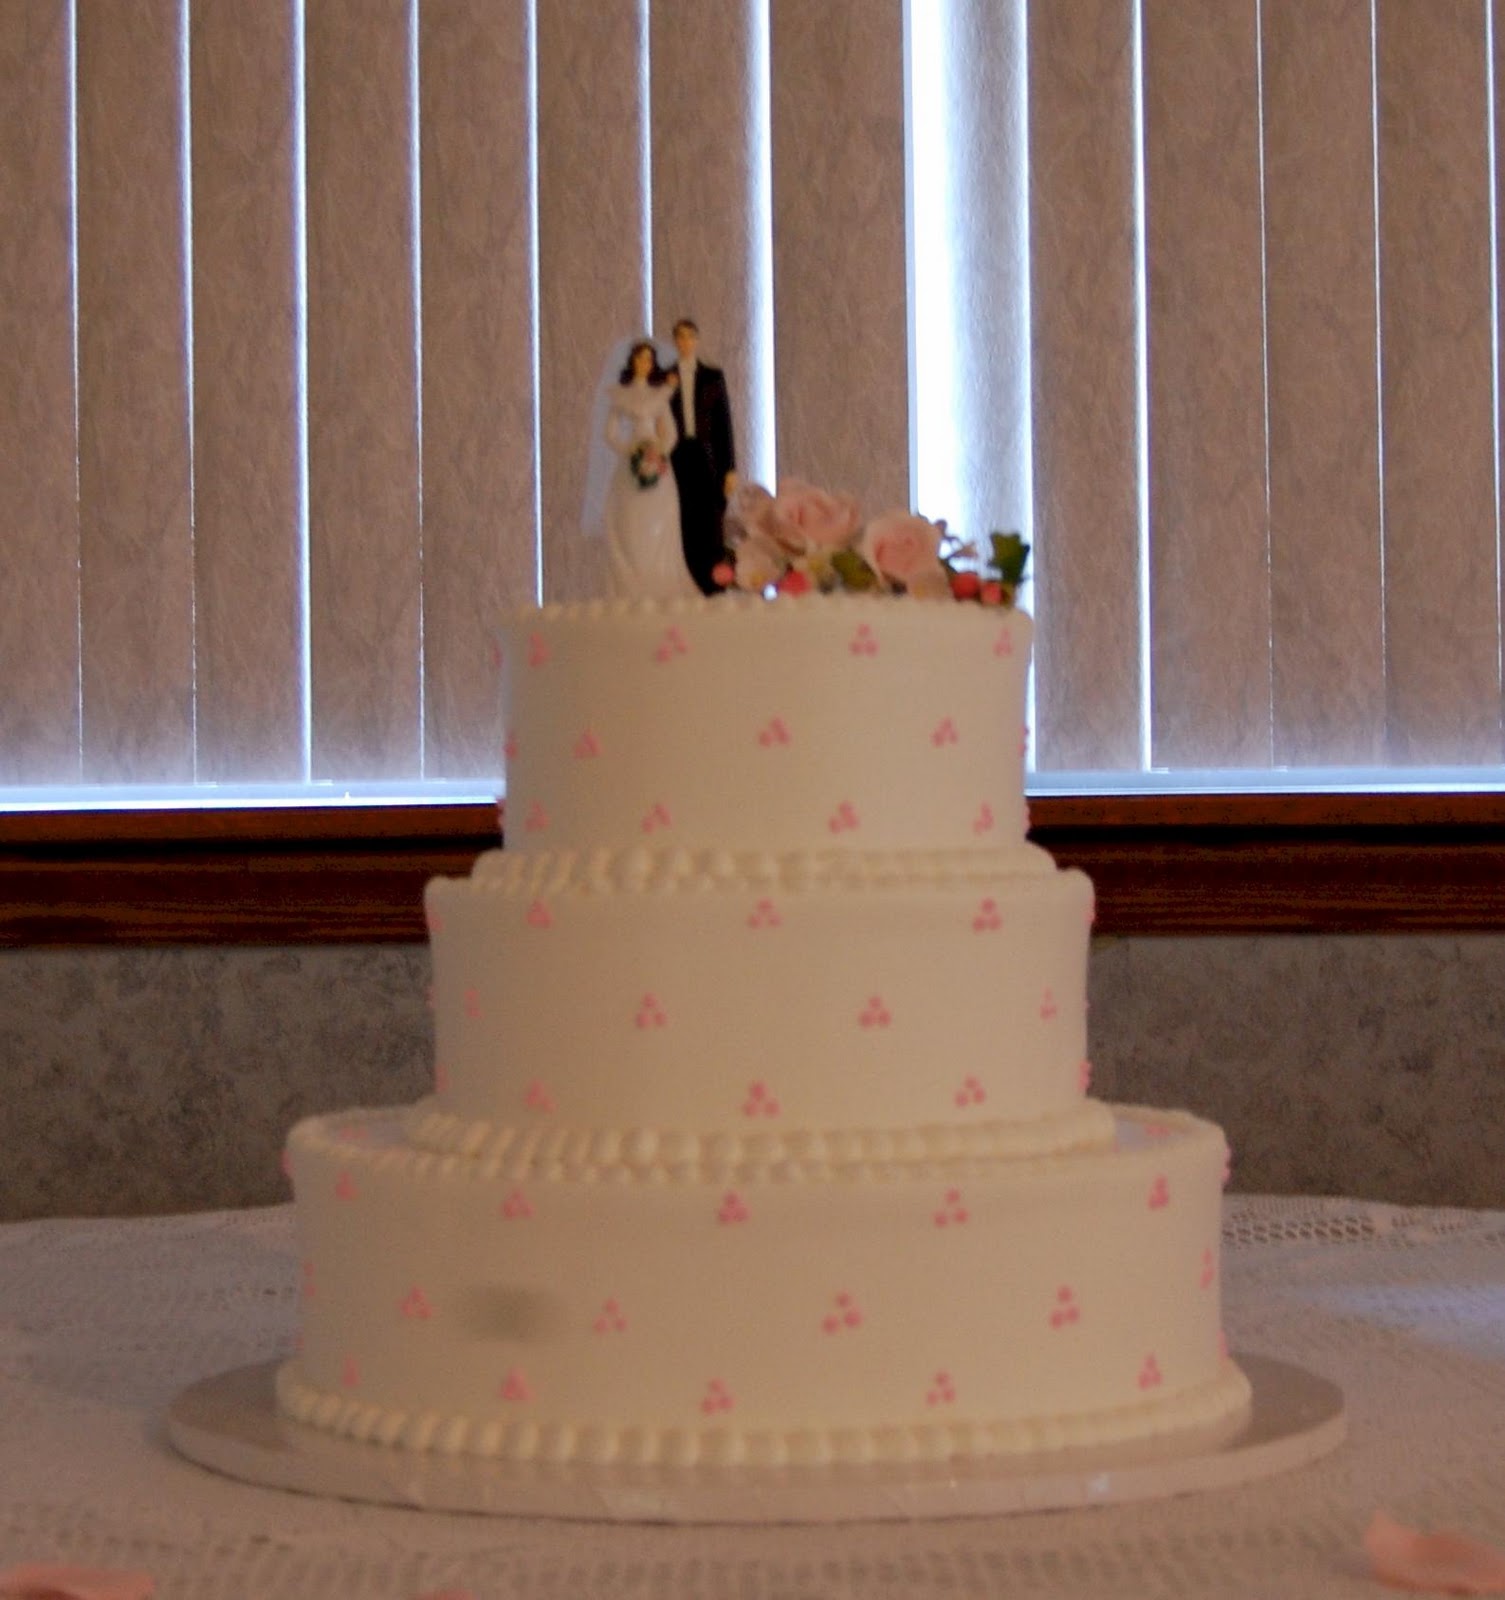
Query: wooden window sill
pixel 1186 864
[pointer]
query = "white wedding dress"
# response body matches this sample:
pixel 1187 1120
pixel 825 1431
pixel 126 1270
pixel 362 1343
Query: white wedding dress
pixel 643 542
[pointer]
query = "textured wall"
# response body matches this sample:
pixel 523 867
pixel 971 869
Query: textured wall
pixel 164 1080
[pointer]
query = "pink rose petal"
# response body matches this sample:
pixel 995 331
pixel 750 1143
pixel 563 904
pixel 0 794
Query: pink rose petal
pixel 51 1580
pixel 1449 1563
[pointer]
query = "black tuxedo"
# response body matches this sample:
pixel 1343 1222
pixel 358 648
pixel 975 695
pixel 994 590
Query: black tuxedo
pixel 701 464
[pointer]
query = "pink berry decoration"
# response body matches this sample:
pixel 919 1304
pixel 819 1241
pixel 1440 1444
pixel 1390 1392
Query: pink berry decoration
pixel 983 822
pixel 517 1207
pixel 773 733
pixel 415 1306
pixel 612 1319
pixel 1066 1311
pixel 765 914
pixel 987 918
pixel 1003 645
pixel 844 818
pixel 672 644
pixel 1149 1374
pixel 1160 1194
pixel 845 1313
pixel 943 733
pixel 1049 1010
pixel 344 1187
pixel 733 1208
pixel 1209 1273
pixel 587 747
pixel 538 1098
pixel 760 1101
pixel 864 641
pixel 971 1092
pixel 539 915
pixel 651 1013
pixel 874 1014
pixel 656 817
pixel 942 1392
pixel 717 1398
pixel 515 1387
pixel 538 650
pixel 952 1210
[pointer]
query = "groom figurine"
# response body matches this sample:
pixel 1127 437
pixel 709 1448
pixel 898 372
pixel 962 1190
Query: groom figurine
pixel 704 459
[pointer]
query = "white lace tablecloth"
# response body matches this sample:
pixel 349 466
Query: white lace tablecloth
pixel 103 1323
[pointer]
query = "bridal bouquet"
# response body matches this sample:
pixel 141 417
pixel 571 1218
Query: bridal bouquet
pixel 646 463
pixel 801 538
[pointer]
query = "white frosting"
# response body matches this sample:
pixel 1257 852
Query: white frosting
pixel 866 723
pixel 760 1131
pixel 790 1312
pixel 686 991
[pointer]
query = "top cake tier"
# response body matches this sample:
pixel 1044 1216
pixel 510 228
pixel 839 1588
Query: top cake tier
pixel 806 722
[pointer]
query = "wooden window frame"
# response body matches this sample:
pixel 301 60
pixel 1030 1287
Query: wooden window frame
pixel 1183 864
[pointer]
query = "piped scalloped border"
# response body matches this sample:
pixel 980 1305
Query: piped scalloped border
pixel 379 1138
pixel 732 603
pixel 640 870
pixel 1083 1127
pixel 1224 1399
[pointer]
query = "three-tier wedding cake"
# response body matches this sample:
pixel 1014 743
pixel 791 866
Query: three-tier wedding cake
pixel 760 1129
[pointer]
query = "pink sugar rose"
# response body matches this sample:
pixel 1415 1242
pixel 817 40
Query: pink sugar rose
pixel 905 549
pixel 812 519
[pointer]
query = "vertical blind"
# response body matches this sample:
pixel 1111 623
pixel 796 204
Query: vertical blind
pixel 303 305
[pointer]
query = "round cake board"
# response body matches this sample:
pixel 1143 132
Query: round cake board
pixel 230 1423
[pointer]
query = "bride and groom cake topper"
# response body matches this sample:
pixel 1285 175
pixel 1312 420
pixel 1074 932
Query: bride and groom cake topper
pixel 669 467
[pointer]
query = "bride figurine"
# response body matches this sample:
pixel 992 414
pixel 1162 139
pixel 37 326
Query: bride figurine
pixel 640 516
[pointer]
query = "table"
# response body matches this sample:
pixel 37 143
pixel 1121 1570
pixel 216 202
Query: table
pixel 103 1323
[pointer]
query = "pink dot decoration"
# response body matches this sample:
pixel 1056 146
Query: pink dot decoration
pixel 717 1398
pixel 942 1391
pixel 612 1319
pixel 874 1014
pixel 515 1387
pixel 845 1314
pixel 1066 1311
pixel 760 1101
pixel 415 1305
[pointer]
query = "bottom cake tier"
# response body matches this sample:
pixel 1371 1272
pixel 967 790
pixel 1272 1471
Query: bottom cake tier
pixel 787 1312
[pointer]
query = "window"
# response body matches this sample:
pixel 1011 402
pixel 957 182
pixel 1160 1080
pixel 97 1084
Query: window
pixel 306 303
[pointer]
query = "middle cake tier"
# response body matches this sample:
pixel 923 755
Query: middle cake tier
pixel 632 1005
